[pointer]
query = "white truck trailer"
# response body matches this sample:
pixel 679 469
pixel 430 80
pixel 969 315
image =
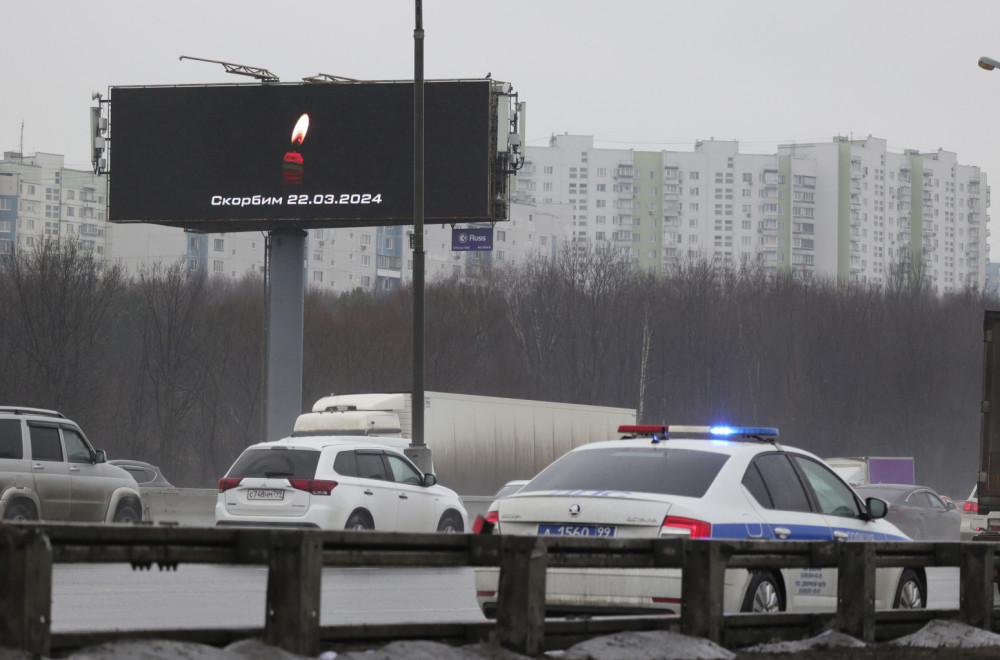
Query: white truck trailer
pixel 477 443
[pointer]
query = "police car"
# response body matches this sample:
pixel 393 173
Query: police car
pixel 698 482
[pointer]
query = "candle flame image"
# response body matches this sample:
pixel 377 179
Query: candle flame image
pixel 301 128
pixel 292 169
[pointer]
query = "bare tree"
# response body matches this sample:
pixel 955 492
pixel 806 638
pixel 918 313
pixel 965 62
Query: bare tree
pixel 61 304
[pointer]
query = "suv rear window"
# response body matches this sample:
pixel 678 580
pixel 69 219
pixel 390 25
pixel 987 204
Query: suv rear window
pixel 10 439
pixel 276 463
pixel 666 471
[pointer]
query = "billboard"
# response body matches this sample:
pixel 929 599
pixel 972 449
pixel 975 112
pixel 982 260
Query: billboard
pixel 242 157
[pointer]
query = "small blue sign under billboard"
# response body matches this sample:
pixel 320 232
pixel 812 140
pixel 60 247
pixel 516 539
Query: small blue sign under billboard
pixel 472 239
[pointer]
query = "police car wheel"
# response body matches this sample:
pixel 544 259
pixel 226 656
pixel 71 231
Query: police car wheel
pixel 911 593
pixel 763 594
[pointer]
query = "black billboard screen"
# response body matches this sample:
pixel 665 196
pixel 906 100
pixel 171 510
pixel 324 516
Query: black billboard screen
pixel 256 156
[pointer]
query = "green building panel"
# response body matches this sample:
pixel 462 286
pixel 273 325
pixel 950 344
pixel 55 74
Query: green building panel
pixel 648 217
pixel 785 217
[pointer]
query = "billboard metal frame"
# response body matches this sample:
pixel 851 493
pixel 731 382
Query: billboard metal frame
pixel 500 149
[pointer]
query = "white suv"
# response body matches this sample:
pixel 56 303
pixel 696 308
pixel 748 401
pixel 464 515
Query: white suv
pixel 697 482
pixel 335 482
pixel 50 471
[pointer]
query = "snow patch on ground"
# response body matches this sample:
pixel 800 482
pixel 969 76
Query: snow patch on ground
pixel 647 645
pixel 949 634
pixel 424 650
pixel 825 640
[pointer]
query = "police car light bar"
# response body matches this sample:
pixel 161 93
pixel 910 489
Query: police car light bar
pixel 717 431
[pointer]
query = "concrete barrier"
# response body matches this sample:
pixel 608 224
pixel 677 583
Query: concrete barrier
pixel 187 507
pixel 195 507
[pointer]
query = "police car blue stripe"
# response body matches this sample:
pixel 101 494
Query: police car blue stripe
pixel 743 531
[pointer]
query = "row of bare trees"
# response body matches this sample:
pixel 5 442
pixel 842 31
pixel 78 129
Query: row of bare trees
pixel 168 368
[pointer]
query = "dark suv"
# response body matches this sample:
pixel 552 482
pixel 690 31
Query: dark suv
pixel 49 471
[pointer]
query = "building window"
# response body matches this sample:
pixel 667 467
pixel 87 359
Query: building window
pixel 192 264
pixel 5 226
pixel 219 244
pixel 217 265
pixel 70 212
pixel 317 276
pixel 366 260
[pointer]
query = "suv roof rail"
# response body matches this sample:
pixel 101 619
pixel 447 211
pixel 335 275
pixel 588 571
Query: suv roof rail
pixel 22 410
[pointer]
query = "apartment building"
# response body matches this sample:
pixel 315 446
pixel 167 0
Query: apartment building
pixel 40 198
pixel 849 209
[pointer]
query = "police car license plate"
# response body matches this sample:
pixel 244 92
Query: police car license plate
pixel 265 494
pixel 576 530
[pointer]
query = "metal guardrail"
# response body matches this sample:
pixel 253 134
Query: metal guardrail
pixel 295 560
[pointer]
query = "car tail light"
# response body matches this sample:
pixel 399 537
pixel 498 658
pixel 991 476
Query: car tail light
pixel 225 483
pixel 313 486
pixel 971 507
pixel 696 529
pixel 485 525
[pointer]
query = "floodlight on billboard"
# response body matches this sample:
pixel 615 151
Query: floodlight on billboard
pixel 244 157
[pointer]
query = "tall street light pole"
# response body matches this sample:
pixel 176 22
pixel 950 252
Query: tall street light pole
pixel 418 451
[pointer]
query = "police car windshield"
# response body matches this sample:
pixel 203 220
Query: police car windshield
pixel 661 470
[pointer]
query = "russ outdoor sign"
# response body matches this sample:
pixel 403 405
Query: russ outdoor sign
pixel 472 239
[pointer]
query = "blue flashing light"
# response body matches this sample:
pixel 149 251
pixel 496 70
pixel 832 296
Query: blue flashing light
pixel 727 431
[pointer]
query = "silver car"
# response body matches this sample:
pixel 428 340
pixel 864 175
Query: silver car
pixel 917 510
pixel 50 471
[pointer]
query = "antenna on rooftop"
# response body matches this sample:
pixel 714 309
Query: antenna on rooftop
pixel 240 69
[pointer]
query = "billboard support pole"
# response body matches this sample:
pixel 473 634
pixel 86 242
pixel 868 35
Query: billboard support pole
pixel 285 313
pixel 418 450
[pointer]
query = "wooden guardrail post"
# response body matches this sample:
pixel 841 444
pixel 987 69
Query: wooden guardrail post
pixel 975 584
pixel 856 590
pixel 703 580
pixel 295 572
pixel 521 594
pixel 25 590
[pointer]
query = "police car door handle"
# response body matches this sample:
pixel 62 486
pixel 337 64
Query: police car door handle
pixel 403 496
pixel 839 535
pixel 782 532
pixel 368 491
pixel 37 466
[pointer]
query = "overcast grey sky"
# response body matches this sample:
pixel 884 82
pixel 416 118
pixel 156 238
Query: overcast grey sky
pixel 648 74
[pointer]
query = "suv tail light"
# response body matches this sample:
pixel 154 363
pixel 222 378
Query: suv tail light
pixel 225 483
pixel 313 486
pixel 696 529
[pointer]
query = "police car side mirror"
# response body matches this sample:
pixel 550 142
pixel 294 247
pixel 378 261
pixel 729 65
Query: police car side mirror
pixel 429 480
pixel 876 508
pixel 98 456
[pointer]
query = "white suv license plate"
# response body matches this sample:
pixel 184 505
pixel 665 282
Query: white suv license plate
pixel 265 494
pixel 577 530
